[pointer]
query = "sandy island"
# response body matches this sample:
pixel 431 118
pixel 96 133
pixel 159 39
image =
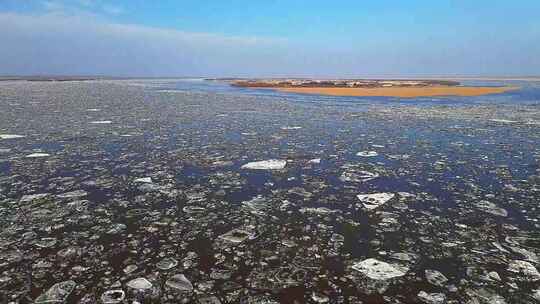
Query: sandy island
pixel 405 92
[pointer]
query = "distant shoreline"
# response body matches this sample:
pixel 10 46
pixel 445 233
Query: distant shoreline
pixel 405 88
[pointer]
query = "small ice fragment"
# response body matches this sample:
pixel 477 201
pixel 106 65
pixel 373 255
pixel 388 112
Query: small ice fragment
pixel 101 122
pixel 73 194
pixel 503 120
pixel 167 263
pixel 367 153
pixel 147 180
pixel 31 197
pixel 315 161
pixel 271 164
pixel 374 200
pixel 37 155
pixel 179 282
pixel 139 283
pixel 113 296
pixel 431 298
pixel 11 136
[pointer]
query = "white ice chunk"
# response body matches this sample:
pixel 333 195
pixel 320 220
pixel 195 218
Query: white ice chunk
pixel 58 293
pixel 10 136
pixel 525 270
pixel 37 155
pixel 147 180
pixel 139 283
pixel 375 200
pixel 271 164
pixel 378 270
pixel 179 282
pixel 367 153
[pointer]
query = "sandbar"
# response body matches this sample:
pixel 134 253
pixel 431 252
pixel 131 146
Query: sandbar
pixel 404 92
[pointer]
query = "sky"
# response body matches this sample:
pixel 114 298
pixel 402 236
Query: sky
pixel 271 38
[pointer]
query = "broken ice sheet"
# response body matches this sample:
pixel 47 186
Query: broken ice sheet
pixel 58 293
pixel 491 208
pixel 271 164
pixel 525 271
pixel 379 270
pixel 375 200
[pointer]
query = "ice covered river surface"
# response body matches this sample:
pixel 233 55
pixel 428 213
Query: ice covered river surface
pixel 191 191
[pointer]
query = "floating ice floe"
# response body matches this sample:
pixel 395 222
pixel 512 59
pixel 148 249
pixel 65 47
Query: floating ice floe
pixel 357 176
pixel 46 242
pixel 291 128
pixel 101 122
pixel 31 197
pixel 526 270
pixel 431 298
pixel 378 270
pixel 37 155
pixel 503 120
pixel 236 236
pixel 314 161
pixel 143 180
pixel 73 194
pixel 179 282
pixel 491 208
pixel 113 296
pixel 367 154
pixel 318 210
pixel 139 283
pixel 435 277
pixel 167 263
pixel 11 136
pixel 271 164
pixel 58 293
pixel 374 200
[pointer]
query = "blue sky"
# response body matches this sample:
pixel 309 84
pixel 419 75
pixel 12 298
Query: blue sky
pixel 270 38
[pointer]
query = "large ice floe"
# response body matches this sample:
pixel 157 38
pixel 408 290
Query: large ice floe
pixel 379 270
pixel 271 164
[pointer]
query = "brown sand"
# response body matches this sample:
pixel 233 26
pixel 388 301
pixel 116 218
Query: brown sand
pixel 406 92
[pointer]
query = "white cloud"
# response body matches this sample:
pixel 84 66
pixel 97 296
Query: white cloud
pixel 56 43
